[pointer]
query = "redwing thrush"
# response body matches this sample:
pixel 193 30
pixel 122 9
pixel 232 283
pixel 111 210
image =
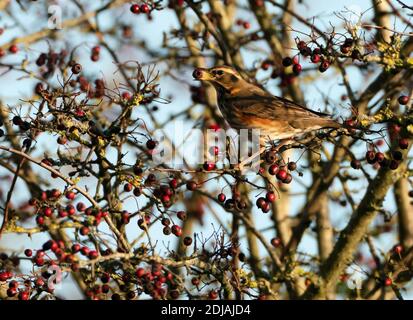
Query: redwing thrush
pixel 247 106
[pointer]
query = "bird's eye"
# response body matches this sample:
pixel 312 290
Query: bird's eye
pixel 217 72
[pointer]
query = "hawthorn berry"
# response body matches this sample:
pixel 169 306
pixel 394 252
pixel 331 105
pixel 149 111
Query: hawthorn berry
pixel 208 166
pixel 128 187
pixel 191 185
pixel 370 157
pixel 181 215
pixel 315 58
pixel 187 241
pixel 403 143
pixel 70 195
pixel 324 66
pixel 76 68
pixel 270 196
pixel 135 8
pixel 144 8
pixel 287 61
pixel 265 207
pixel 221 197
pixel 282 174
pixel 297 68
pixel 292 166
pixel 355 164
pixel 388 282
pixel 176 230
pixel 151 144
pixel 76 248
pixel 212 295
pixel 260 202
pixel 13 49
pixel 403 100
pixel 28 253
pixel 398 249
pixel 5 275
pixel 24 295
pixel 84 231
pixel 276 242
pixel 273 169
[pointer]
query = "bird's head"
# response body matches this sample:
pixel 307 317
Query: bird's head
pixel 221 77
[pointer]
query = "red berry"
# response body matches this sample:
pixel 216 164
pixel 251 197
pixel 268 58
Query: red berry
pixel 315 58
pixel 388 282
pixel 324 66
pixel 11 292
pixel 76 248
pixel 191 185
pixel 173 183
pixel 13 49
pixel 301 45
pixel 187 241
pixel 355 164
pixel 93 254
pixel 85 251
pixel 151 144
pixel 70 195
pixel 5 275
pixel 181 215
pixel 28 252
pixel 40 220
pixel 94 57
pixel 96 50
pixel 135 8
pixel 260 202
pixel 212 295
pixel 222 197
pixel 24 295
pixel 379 157
pixel 403 100
pixel 287 61
pixel 292 166
pixel 273 169
pixel 128 187
pixel 246 25
pixel 398 249
pixel 282 174
pixel 76 68
pixel 145 8
pixel 176 230
pixel 287 179
pixel 297 69
pixel 208 166
pixel 265 207
pixel 48 212
pixel 140 272
pixel 276 242
pixel 403 143
pixel 370 157
pixel 270 196
pixel 84 231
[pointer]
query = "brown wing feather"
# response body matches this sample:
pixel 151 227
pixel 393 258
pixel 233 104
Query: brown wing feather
pixel 280 109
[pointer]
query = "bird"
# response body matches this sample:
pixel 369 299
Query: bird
pixel 245 105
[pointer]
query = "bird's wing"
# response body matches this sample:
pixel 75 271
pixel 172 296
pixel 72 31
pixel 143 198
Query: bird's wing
pixel 280 109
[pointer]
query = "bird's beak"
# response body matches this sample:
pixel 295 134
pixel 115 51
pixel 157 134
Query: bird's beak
pixel 202 74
